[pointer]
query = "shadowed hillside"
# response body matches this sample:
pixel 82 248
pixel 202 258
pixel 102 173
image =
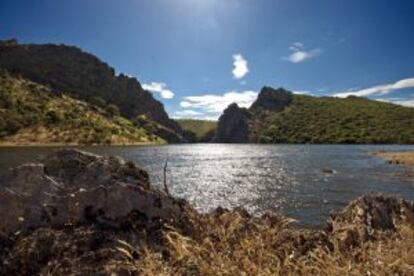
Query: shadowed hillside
pixel 33 114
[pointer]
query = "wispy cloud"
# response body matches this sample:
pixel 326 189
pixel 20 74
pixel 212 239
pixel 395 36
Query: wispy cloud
pixel 378 89
pixel 212 105
pixel 187 113
pixel 400 101
pixel 240 67
pixel 302 92
pixel 301 54
pixel 159 87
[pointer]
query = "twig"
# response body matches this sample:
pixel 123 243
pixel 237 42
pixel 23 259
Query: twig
pixel 165 178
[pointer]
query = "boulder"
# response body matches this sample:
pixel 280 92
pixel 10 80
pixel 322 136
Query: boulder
pixel 71 187
pixel 368 218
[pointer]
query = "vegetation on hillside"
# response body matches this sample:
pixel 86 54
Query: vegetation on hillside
pixel 332 120
pixel 31 113
pixel 202 129
pixel 83 75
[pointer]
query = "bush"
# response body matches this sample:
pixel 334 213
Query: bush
pixel 54 117
pixel 98 101
pixel 12 125
pixel 112 109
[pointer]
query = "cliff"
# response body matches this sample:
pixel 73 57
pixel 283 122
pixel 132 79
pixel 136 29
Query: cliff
pixel 69 69
pixel 233 125
pixel 84 214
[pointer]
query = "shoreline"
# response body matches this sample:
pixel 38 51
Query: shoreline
pixel 397 158
pixel 17 145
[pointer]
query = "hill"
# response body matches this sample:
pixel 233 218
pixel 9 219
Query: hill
pixel 203 130
pixel 279 116
pixel 84 76
pixel 33 114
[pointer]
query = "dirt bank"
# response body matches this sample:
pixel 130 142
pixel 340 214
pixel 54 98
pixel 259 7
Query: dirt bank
pixel 398 158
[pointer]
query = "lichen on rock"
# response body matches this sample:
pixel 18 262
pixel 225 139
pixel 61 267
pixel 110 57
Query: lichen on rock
pixel 73 187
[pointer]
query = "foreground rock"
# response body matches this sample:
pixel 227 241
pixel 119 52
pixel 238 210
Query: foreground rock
pixel 73 187
pixel 82 214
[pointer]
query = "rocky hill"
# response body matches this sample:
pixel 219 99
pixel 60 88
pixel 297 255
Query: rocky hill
pixel 279 116
pixel 76 213
pixel 33 114
pixel 69 69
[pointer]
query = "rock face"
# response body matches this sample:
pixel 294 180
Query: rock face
pixel 233 125
pixel 272 99
pixel 73 187
pixel 69 69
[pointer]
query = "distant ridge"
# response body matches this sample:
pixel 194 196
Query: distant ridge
pixel 279 116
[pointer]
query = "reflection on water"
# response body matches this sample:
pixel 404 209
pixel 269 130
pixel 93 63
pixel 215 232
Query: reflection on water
pixel 304 182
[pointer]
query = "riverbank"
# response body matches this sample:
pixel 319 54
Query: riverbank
pixel 398 158
pixel 52 145
pixel 100 215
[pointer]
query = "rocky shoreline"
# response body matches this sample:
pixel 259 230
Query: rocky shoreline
pixel 82 214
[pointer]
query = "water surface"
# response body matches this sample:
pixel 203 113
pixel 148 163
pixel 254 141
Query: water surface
pixel 304 182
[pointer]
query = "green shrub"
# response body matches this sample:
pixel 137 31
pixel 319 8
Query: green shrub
pixel 98 101
pixel 112 109
pixel 54 117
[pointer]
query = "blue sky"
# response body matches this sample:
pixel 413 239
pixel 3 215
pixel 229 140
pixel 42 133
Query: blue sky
pixel 197 56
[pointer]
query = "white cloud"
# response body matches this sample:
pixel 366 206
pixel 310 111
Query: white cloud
pixel 240 68
pixel 378 89
pixel 399 101
pixel 213 103
pixel 211 106
pixel 159 87
pixel 302 92
pixel 300 54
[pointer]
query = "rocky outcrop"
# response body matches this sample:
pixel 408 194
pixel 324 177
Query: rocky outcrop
pixel 74 187
pixel 69 69
pixel 272 99
pixel 233 125
pixel 369 218
pixel 239 125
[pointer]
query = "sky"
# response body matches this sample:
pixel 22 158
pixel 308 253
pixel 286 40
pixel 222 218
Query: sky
pixel 198 56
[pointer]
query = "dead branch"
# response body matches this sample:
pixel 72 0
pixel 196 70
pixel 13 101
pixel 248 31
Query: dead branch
pixel 165 178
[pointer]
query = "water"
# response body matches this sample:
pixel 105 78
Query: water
pixel 295 180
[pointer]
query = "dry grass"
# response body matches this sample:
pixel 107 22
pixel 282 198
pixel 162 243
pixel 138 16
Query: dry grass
pixel 219 243
pixel 234 244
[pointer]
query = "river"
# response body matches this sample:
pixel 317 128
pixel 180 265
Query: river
pixel 304 182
